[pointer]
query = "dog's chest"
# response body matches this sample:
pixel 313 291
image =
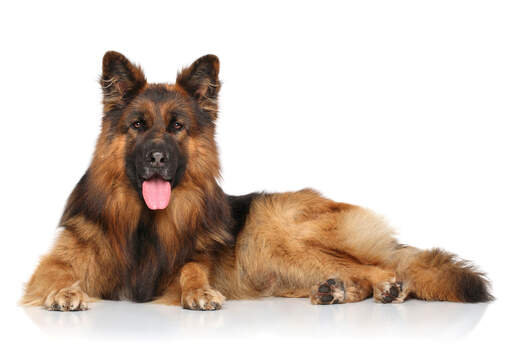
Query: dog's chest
pixel 149 264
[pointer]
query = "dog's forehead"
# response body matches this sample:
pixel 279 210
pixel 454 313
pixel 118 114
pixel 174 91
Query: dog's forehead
pixel 162 96
pixel 159 93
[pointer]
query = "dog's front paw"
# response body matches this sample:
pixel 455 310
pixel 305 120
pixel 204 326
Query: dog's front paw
pixel 202 299
pixel 67 299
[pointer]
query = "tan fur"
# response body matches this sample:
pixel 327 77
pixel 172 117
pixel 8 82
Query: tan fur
pixel 294 244
pixel 196 292
pixel 292 241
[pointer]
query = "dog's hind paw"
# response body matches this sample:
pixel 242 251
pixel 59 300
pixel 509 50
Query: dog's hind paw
pixel 328 292
pixel 389 292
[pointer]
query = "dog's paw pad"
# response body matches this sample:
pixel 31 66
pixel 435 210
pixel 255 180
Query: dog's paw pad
pixel 329 292
pixel 389 292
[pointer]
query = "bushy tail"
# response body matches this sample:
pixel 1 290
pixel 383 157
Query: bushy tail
pixel 439 275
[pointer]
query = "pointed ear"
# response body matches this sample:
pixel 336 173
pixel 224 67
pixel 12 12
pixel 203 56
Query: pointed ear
pixel 201 81
pixel 121 80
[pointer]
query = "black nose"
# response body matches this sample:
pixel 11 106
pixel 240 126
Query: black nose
pixel 157 159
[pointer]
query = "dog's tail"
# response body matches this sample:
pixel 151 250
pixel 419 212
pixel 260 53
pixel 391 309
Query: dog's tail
pixel 426 274
pixel 439 275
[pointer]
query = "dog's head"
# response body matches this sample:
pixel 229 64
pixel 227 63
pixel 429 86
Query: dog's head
pixel 166 130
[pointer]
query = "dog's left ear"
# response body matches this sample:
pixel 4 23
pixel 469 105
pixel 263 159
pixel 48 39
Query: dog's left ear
pixel 201 81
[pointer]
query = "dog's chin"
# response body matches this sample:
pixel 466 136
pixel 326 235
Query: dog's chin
pixel 156 192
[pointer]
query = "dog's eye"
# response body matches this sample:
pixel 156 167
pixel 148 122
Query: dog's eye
pixel 138 124
pixel 177 126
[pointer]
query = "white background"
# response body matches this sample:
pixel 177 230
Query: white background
pixel 401 106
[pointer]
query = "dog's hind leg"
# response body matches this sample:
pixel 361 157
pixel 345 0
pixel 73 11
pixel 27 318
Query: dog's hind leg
pixel 335 290
pixel 427 274
pixel 355 282
pixel 349 281
pixel 291 246
pixel 293 241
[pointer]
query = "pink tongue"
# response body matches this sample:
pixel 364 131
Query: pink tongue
pixel 156 193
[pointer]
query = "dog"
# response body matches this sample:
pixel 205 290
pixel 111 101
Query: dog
pixel 149 222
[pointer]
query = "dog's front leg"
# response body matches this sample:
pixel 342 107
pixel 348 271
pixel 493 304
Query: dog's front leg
pixel 196 292
pixel 55 287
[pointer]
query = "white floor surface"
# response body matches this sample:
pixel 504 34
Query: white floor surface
pixel 271 319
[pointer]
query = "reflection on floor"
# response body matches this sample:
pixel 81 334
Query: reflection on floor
pixel 266 318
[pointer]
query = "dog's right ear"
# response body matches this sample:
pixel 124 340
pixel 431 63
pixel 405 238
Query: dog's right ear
pixel 121 80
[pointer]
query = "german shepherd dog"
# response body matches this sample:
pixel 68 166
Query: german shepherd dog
pixel 149 222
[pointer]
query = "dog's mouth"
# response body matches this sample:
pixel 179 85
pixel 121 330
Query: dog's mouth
pixel 156 192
